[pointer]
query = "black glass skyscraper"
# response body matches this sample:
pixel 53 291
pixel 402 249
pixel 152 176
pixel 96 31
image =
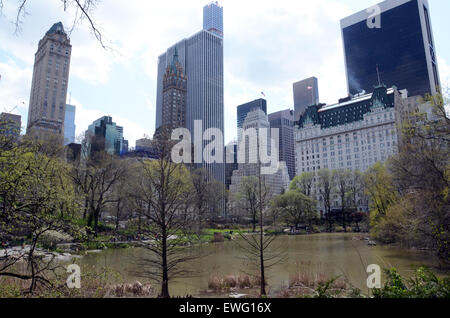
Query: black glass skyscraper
pixel 306 93
pixel 243 110
pixel 402 47
pixel 284 122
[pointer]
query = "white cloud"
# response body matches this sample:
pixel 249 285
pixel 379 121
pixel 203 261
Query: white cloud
pixel 444 72
pixel 14 89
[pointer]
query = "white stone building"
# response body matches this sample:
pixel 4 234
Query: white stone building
pixel 353 135
pixel 275 183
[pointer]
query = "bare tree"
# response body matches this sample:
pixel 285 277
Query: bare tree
pixel 199 179
pixel 83 10
pixel 326 186
pixel 96 179
pixel 162 190
pixel 258 247
pixel 342 181
pixel 247 199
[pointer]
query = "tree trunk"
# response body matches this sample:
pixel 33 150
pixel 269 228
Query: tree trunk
pixel 86 205
pixel 261 247
pixel 165 275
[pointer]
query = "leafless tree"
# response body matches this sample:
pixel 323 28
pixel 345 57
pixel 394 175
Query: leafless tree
pixel 83 10
pixel 96 178
pixel 161 189
pixel 342 181
pixel 257 247
pixel 326 188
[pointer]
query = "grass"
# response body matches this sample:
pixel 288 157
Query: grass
pixel 230 282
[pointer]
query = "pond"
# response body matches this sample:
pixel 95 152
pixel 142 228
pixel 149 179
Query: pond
pixel 330 254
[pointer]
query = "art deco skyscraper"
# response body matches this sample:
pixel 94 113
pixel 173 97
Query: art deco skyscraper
pixel 174 95
pixel 49 86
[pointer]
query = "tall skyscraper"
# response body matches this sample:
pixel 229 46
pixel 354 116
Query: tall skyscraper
pixel 306 93
pixel 401 46
pixel 69 125
pixel 174 95
pixel 49 86
pixel 104 135
pixel 244 109
pixel 284 122
pixel 213 18
pixel 201 56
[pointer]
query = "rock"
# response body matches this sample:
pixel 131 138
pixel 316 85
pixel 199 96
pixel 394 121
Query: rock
pixel 237 296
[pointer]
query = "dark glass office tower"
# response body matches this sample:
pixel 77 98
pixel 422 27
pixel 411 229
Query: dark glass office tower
pixel 284 121
pixel 243 110
pixel 306 93
pixel 403 49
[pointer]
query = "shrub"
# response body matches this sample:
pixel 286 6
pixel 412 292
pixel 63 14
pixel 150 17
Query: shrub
pixel 218 238
pixel 339 229
pixel 230 281
pixel 424 284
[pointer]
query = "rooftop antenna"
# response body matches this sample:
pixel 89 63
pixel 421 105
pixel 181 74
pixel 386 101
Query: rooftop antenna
pixel 378 74
pixel 70 98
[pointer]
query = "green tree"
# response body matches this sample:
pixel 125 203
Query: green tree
pixel 296 207
pixel 304 183
pixel 381 190
pixel 36 198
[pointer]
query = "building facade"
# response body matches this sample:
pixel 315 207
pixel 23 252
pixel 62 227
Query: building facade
pixel 306 93
pixel 47 107
pixel 244 109
pixel 284 122
pixel 402 48
pixel 69 125
pixel 104 135
pixel 213 18
pixel 275 183
pixel 351 135
pixel 201 57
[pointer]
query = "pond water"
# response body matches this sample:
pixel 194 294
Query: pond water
pixel 330 254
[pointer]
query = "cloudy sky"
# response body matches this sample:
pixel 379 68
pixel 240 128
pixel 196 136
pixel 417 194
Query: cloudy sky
pixel 268 46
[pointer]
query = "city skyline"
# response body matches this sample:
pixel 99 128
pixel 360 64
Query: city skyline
pixel 244 76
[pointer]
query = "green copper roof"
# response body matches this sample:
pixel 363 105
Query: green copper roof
pixel 349 111
pixel 174 61
pixel 57 28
